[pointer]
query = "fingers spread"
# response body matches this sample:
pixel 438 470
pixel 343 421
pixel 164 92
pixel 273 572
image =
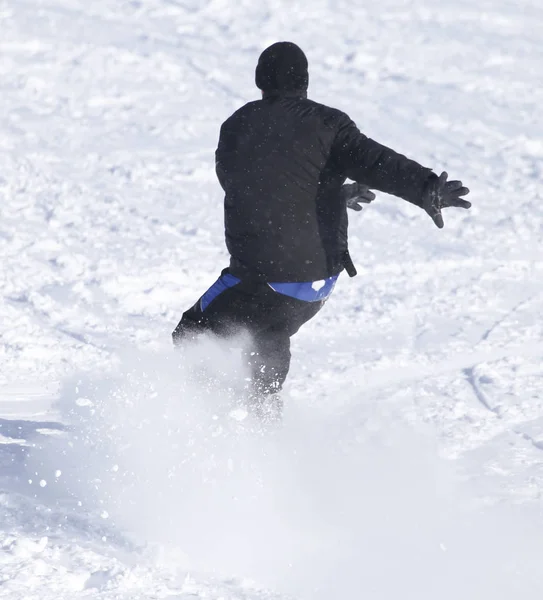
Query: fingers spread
pixel 438 220
pixel 452 186
pixel 457 203
pixel 443 178
pixel 353 205
pixel 457 190
pixel 368 197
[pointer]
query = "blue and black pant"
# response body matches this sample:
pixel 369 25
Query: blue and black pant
pixel 270 317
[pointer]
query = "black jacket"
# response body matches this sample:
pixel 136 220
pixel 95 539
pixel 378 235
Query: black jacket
pixel 281 162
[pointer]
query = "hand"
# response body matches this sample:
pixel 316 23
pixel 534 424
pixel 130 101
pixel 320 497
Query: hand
pixel 440 193
pixel 355 193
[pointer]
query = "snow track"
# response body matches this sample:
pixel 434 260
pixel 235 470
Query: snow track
pixel 414 425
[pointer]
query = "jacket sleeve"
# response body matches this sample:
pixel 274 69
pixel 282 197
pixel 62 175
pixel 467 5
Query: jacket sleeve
pixel 366 161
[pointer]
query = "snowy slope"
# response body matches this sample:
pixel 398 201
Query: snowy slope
pixel 410 460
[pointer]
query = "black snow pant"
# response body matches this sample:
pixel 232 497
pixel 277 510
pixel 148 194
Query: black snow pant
pixel 270 319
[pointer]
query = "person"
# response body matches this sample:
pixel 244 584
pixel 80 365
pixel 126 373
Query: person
pixel 282 162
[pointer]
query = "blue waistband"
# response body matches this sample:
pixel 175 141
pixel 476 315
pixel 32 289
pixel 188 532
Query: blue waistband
pixel 308 291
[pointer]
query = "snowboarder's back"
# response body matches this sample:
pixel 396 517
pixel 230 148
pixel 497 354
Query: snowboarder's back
pixel 282 161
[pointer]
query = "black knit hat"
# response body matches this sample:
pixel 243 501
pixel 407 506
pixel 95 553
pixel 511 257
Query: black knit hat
pixel 282 67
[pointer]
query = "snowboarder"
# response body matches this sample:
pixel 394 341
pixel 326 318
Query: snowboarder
pixel 282 161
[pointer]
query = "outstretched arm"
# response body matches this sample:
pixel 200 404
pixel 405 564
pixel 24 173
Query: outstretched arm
pixel 366 161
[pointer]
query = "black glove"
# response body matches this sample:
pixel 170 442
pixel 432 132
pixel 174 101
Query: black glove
pixel 354 193
pixel 440 193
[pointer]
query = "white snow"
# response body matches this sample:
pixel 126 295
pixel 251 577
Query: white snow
pixel 317 285
pixel 410 462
